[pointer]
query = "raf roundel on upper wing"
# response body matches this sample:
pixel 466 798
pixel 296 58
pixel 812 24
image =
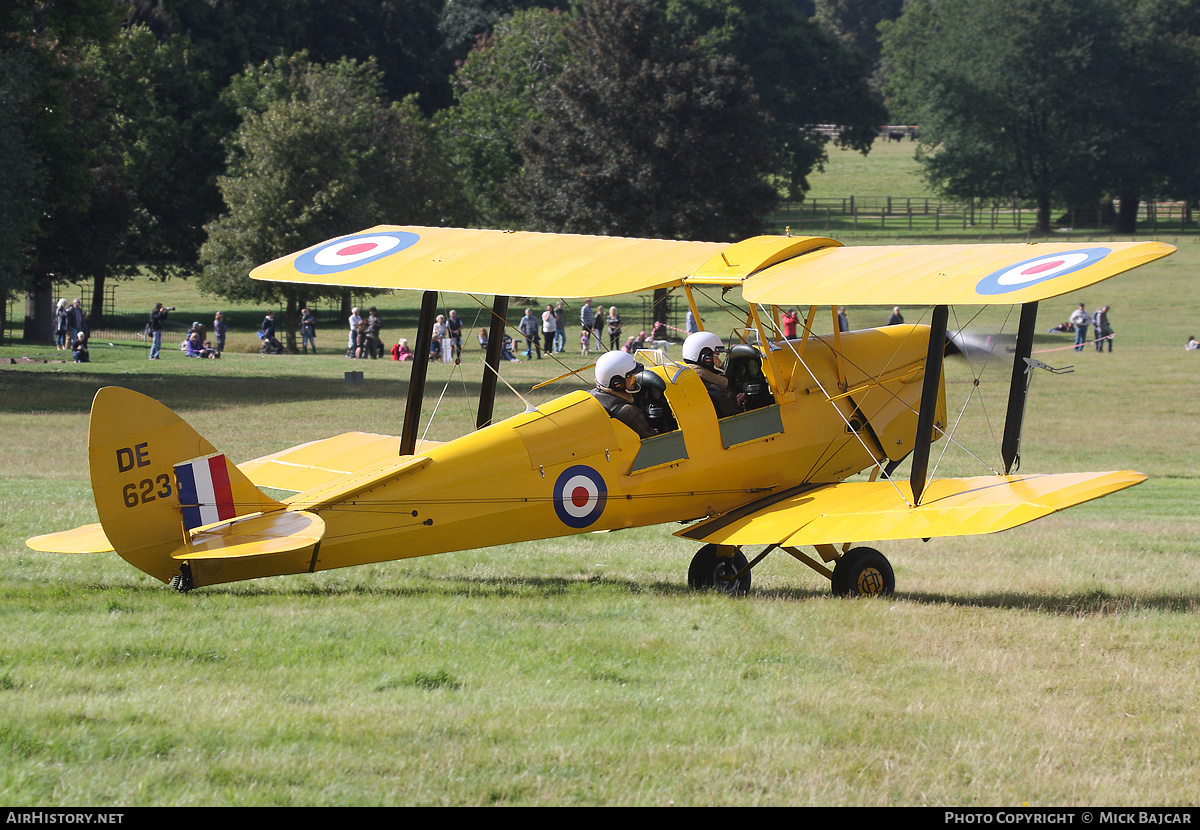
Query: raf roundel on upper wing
pixel 353 251
pixel 1039 269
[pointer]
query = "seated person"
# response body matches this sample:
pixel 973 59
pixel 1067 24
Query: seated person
pixel 197 349
pixel 616 382
pixel 79 349
pixel 483 339
pixel 401 351
pixel 506 350
pixel 702 352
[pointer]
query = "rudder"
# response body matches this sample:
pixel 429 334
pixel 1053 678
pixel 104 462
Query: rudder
pixel 134 446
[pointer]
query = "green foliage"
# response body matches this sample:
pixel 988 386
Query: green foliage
pixel 319 154
pixel 163 141
pixel 802 74
pixel 19 173
pixel 1060 101
pixel 640 137
pixel 498 90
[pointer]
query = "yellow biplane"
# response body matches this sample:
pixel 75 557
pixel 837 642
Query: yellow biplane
pixel 813 411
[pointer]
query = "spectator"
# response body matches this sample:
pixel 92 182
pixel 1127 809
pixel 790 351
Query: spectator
pixel 1080 319
pixel 219 331
pixel 266 333
pixel 788 321
pixel 401 351
pixel 374 341
pixel 355 319
pixel 549 328
pixel 1104 332
pixel 560 327
pixel 76 322
pixel 454 327
pixel 157 317
pixel 529 328
pixel 79 347
pixel 308 330
pixel 60 326
pixel 614 328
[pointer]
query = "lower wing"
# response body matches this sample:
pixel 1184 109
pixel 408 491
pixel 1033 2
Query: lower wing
pixel 882 510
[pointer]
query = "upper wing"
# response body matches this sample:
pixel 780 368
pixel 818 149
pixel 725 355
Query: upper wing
pixel 493 262
pixel 770 269
pixel 878 510
pixel 946 274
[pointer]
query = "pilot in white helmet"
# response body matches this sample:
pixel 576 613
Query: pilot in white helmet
pixel 616 381
pixel 702 352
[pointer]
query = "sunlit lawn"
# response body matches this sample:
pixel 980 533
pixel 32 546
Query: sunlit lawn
pixel 1050 665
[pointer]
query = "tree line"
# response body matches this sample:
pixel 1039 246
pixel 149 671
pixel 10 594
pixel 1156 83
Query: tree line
pixel 181 137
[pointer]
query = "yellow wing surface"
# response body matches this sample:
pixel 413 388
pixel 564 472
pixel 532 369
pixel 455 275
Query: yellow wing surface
pixel 769 269
pixel 880 510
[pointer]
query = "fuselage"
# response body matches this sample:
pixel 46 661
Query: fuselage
pixel 567 467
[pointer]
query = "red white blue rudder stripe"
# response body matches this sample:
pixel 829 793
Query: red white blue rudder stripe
pixel 205 493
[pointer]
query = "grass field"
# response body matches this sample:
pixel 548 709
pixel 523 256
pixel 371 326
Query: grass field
pixel 1054 664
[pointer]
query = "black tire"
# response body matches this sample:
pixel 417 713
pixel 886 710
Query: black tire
pixel 863 572
pixel 709 570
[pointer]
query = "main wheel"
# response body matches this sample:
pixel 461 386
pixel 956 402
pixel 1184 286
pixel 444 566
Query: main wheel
pixel 863 572
pixel 711 570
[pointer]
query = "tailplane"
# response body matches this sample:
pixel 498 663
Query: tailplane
pixel 155 480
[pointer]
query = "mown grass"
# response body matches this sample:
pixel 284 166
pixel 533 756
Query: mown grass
pixel 1050 665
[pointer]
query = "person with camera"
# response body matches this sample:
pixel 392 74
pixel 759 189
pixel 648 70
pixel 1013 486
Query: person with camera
pixel 157 317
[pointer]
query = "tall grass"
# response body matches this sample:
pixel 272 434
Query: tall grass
pixel 1050 665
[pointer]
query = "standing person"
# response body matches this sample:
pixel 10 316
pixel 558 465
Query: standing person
pixel 843 321
pixel 560 327
pixel 587 316
pixel 689 323
pixel 60 325
pixel 267 329
pixel 219 331
pixel 1104 331
pixel 355 319
pixel 455 326
pixel 614 329
pixel 529 328
pixel 897 318
pixel 788 321
pixel 308 330
pixel 374 341
pixel 1080 320
pixel 157 317
pixel 76 321
pixel 549 328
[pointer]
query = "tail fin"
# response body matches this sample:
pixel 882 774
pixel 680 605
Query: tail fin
pixel 141 454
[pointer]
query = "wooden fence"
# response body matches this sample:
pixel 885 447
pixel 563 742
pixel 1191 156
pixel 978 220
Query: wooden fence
pixel 924 214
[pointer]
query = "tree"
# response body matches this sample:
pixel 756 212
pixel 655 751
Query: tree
pixel 498 90
pixel 640 137
pixel 803 75
pixel 855 23
pixel 1160 111
pixel 18 179
pixel 52 140
pixel 1030 98
pixel 319 154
